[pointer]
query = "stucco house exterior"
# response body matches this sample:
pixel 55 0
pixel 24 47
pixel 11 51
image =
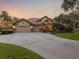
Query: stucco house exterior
pixel 36 25
pixel 23 26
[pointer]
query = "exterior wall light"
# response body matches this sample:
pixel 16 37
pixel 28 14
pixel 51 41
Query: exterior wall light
pixel 14 27
pixel 31 27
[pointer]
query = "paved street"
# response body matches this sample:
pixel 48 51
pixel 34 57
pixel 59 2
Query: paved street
pixel 47 45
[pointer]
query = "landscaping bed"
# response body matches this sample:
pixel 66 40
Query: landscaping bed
pixel 72 36
pixel 8 51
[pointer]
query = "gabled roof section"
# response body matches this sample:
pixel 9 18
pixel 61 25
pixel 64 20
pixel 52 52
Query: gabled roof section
pixel 43 18
pixel 33 20
pixel 23 20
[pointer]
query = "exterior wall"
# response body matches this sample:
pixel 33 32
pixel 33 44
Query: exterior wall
pixel 46 25
pixel 23 23
pixel 23 27
pixel 36 29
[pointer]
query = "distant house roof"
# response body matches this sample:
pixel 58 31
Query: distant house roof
pixel 43 18
pixel 23 20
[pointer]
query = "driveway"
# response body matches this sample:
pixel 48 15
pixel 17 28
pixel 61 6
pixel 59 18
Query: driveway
pixel 47 45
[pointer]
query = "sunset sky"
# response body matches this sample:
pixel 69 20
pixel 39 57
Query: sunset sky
pixel 31 8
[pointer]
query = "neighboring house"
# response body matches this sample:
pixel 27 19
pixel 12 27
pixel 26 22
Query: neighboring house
pixel 33 24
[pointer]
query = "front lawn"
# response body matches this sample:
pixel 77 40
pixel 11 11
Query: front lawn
pixel 73 36
pixel 8 51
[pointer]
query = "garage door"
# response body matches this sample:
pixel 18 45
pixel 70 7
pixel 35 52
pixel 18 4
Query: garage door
pixel 23 29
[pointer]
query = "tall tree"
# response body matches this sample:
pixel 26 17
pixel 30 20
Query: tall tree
pixel 5 17
pixel 70 5
pixel 73 6
pixel 75 19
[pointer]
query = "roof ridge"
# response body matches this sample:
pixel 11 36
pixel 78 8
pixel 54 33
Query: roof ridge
pixel 23 20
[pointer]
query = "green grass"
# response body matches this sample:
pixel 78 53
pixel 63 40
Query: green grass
pixel 73 36
pixel 8 51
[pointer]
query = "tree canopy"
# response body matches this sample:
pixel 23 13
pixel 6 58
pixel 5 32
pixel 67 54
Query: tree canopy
pixel 5 16
pixel 70 5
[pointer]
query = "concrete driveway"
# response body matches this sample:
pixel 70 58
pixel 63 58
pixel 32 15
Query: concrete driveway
pixel 47 45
